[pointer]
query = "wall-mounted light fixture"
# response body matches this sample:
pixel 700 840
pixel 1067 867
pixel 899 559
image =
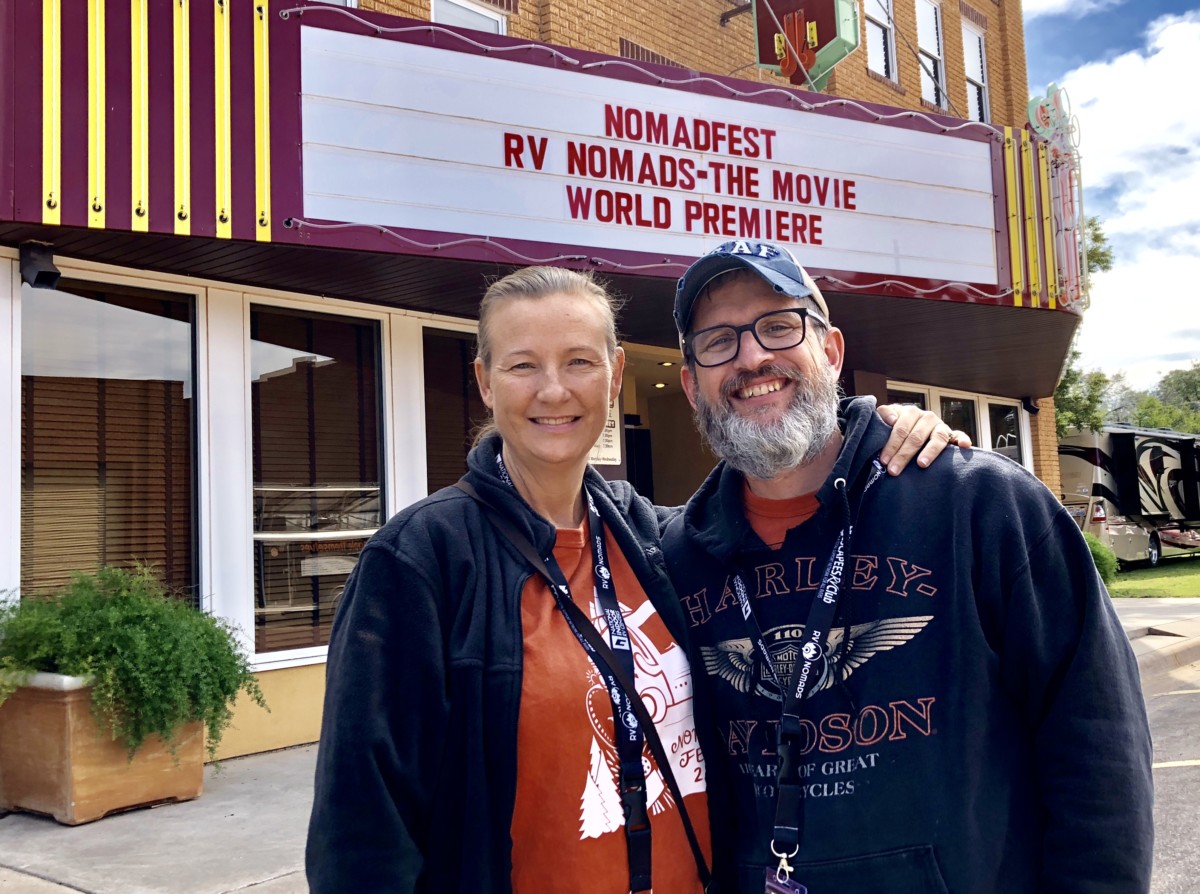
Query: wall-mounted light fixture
pixel 1030 407
pixel 37 265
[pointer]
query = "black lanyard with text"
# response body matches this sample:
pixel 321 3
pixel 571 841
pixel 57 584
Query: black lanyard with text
pixel 583 628
pixel 626 729
pixel 785 842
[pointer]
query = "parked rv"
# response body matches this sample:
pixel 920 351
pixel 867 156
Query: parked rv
pixel 1136 489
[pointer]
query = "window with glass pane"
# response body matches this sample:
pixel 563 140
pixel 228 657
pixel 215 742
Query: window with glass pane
pixel 453 407
pixel 959 413
pixel 975 63
pixel 880 47
pixel 466 15
pixel 929 40
pixel 1006 430
pixel 916 398
pixel 107 434
pixel 315 415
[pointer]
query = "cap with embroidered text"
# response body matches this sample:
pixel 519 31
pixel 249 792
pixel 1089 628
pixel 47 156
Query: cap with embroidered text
pixel 774 264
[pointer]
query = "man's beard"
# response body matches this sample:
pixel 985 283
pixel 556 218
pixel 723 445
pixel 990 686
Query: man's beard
pixel 766 449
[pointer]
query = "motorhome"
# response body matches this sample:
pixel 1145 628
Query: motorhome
pixel 1136 489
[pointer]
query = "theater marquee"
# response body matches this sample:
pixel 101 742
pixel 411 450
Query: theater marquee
pixel 403 135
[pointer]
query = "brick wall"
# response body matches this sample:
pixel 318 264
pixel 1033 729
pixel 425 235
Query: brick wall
pixel 1045 446
pixel 689 32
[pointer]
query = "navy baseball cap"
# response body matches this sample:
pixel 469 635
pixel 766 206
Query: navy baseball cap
pixel 774 264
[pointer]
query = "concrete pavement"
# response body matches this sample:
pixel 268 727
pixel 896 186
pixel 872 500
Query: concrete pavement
pixel 246 832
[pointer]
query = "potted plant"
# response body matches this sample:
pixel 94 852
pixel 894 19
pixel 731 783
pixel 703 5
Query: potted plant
pixel 108 693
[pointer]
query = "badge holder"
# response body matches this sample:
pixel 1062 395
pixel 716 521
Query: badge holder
pixel 779 880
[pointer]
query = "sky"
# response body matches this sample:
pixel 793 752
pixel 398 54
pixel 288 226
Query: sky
pixel 1130 69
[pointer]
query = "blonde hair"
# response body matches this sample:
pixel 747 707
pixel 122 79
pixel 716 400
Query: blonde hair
pixel 540 282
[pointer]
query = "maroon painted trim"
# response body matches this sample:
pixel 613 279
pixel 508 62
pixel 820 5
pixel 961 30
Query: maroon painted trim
pixel 241 118
pixel 287 167
pixel 160 64
pixel 118 61
pixel 518 252
pixel 27 116
pixel 8 76
pixel 75 198
pixel 203 100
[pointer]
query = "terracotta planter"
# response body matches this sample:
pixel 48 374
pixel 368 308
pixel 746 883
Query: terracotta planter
pixel 54 759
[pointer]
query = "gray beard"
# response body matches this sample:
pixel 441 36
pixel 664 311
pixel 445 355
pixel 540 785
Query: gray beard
pixel 765 450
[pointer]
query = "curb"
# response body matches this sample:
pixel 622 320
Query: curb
pixel 1168 657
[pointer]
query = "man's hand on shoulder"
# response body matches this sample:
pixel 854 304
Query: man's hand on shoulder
pixel 916 432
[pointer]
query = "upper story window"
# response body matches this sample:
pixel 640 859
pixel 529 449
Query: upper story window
pixel 881 38
pixel 465 14
pixel 929 53
pixel 975 62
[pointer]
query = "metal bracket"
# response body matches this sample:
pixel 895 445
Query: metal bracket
pixel 736 11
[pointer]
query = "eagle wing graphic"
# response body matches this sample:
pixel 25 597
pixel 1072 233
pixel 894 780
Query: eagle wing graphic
pixel 866 640
pixel 731 661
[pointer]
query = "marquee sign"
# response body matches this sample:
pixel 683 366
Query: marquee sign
pixel 398 134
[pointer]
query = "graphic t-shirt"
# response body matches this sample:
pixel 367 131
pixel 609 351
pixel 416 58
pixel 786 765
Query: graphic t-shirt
pixel 844 741
pixel 568 828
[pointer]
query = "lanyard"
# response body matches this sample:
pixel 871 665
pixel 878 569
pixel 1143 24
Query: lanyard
pixel 789 788
pixel 626 729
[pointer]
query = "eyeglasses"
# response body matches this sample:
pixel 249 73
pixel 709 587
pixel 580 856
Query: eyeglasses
pixel 777 330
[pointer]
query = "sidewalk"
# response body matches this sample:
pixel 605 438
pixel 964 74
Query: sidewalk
pixel 246 832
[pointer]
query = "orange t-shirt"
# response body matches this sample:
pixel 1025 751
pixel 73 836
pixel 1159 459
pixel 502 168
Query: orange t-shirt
pixel 568 829
pixel 772 519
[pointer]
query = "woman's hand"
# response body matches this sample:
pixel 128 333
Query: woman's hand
pixel 914 429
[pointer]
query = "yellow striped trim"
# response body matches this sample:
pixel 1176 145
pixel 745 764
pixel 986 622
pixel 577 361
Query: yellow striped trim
pixel 139 103
pixel 51 111
pixel 223 146
pixel 1048 226
pixel 1016 249
pixel 1028 173
pixel 96 114
pixel 183 119
pixel 262 124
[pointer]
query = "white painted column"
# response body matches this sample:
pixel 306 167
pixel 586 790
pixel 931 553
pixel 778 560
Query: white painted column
pixel 405 407
pixel 10 429
pixel 226 473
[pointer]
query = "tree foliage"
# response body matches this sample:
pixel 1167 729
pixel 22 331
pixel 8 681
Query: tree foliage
pixel 1099 251
pixel 1079 397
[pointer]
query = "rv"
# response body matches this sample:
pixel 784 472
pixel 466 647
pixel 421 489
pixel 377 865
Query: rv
pixel 1136 489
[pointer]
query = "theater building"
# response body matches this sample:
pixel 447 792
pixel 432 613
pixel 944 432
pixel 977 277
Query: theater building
pixel 242 247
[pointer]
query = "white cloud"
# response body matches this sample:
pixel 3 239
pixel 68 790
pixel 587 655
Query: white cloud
pixel 1076 9
pixel 1141 171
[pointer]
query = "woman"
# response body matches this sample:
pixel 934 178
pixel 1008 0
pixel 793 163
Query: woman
pixel 468 741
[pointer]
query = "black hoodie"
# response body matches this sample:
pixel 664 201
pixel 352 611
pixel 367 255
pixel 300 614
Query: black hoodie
pixel 984 731
pixel 416 773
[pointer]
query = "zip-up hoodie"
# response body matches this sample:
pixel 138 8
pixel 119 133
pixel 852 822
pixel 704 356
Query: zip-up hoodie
pixel 980 725
pixel 416 774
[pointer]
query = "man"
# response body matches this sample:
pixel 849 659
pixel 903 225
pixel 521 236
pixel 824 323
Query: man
pixel 918 683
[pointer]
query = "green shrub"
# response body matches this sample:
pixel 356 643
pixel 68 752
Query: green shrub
pixel 156 663
pixel 1104 557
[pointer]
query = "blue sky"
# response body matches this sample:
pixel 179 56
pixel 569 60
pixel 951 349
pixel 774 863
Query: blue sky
pixel 1129 68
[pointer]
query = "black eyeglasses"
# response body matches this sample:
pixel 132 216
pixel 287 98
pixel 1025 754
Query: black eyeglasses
pixel 776 330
